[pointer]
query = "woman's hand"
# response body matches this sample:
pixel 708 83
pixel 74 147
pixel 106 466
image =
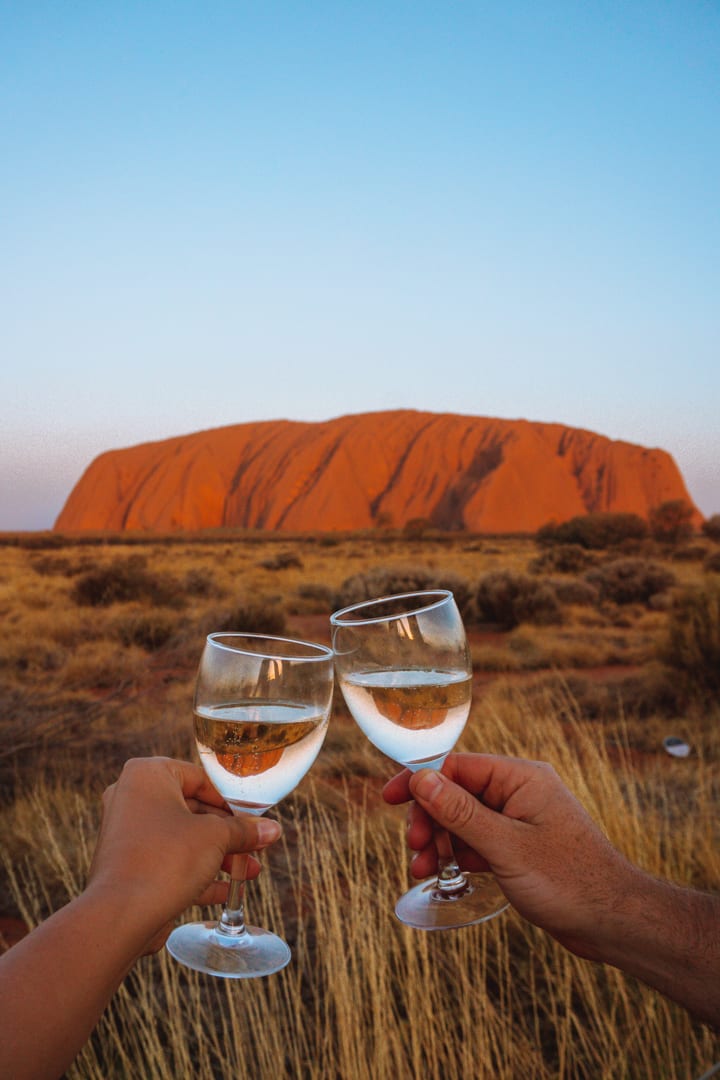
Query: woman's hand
pixel 165 835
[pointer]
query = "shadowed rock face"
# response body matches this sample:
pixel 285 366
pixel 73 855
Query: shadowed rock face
pixel 354 472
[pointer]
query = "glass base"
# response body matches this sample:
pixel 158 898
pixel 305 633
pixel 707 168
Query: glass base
pixel 425 908
pixel 254 953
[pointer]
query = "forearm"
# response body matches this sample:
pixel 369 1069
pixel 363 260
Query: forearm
pixel 56 982
pixel 669 937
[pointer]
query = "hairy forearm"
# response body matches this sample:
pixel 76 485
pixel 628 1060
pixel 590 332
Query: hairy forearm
pixel 669 937
pixel 56 982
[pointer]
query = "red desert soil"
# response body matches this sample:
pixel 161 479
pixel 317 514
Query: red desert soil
pixel 355 472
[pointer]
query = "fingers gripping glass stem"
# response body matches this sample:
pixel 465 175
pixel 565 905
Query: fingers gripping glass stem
pixel 261 712
pixel 451 882
pixel 232 921
pixel 404 668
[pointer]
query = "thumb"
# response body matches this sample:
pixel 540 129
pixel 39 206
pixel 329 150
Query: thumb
pixel 247 833
pixel 460 812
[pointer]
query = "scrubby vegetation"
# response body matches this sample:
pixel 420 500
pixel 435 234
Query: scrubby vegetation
pixel 711 527
pixel 671 521
pixel 630 581
pixel 691 646
pixel 393 580
pixel 595 531
pixel 584 654
pixel 507 599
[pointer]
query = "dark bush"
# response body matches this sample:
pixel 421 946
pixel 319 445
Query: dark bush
pixel 712 563
pixel 711 527
pixel 392 580
pixel 647 693
pixel 601 530
pixel 630 581
pixel 199 581
pixel 312 598
pixel 563 559
pixel 150 630
pixel 507 599
pixel 671 521
pixel 691 649
pixel 283 560
pixel 261 615
pixel 572 591
pixel 123 581
pixel 689 553
pixel 53 564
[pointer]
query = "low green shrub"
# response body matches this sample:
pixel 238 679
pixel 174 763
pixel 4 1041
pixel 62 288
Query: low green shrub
pixel 200 581
pixel 508 599
pixel 563 559
pixel 393 580
pixel 689 553
pixel 312 598
pixel 712 563
pixel 599 530
pixel 671 521
pixel 711 527
pixel 150 630
pixel 282 560
pixel 54 564
pixel 123 581
pixel 691 647
pixel 630 581
pixel 574 591
pixel 261 615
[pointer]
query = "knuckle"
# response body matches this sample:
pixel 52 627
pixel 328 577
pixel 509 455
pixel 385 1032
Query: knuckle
pixel 459 809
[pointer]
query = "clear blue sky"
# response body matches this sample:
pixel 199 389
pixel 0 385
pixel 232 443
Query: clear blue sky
pixel 215 212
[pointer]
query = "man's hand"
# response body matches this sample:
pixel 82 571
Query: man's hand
pixel 518 820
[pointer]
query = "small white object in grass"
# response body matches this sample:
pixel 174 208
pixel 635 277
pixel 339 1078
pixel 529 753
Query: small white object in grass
pixel 675 746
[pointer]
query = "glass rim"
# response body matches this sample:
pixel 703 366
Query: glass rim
pixel 338 617
pixel 316 652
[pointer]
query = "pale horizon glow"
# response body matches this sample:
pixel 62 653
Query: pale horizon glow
pixel 213 214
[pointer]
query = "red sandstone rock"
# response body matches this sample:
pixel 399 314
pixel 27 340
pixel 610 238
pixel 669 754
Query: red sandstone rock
pixel 467 472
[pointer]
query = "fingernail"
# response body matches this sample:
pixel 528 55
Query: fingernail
pixel 426 784
pixel 267 830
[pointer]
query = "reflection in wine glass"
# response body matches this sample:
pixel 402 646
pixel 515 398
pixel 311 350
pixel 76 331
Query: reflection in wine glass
pixel 261 713
pixel 404 668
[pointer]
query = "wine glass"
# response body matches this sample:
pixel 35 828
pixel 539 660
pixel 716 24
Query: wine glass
pixel 404 668
pixel 261 713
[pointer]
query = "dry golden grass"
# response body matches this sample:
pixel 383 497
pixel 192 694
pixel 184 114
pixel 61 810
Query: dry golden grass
pixel 363 996
pixel 366 997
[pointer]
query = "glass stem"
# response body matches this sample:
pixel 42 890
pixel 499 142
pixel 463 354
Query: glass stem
pixel 450 879
pixel 232 920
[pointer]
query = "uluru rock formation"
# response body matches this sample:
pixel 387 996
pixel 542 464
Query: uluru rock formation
pixel 354 472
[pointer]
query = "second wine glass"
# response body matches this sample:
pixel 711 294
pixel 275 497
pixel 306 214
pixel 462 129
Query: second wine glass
pixel 403 665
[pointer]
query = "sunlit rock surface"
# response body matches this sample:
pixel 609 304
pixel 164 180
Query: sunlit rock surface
pixel 385 468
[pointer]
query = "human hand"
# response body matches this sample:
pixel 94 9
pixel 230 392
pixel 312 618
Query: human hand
pixel 518 820
pixel 165 835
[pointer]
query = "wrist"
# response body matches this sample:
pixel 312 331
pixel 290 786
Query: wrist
pixel 125 911
pixel 666 936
